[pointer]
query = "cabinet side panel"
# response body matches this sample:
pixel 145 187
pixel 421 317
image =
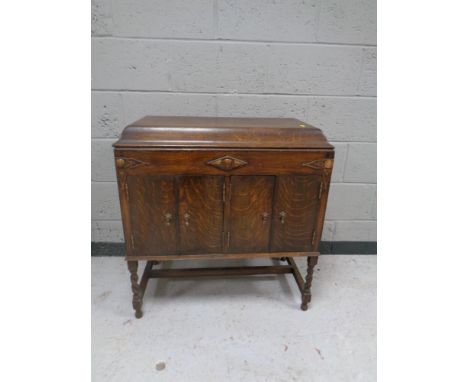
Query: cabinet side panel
pixel 201 214
pixel 250 217
pixel 326 179
pixel 295 212
pixel 153 214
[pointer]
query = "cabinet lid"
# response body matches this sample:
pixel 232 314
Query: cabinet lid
pixel 214 132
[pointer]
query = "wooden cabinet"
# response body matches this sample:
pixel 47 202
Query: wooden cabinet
pixel 221 188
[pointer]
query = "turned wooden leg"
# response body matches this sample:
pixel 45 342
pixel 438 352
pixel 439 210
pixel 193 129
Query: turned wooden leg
pixel 137 298
pixel 306 296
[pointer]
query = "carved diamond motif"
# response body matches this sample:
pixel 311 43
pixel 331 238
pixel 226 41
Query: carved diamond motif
pixel 129 163
pixel 227 163
pixel 319 164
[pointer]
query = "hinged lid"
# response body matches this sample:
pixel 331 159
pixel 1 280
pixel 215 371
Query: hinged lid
pixel 217 132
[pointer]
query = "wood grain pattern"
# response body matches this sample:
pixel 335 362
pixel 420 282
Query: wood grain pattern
pixel 221 271
pixel 251 203
pixel 295 211
pixel 154 131
pixel 306 295
pixel 320 220
pixel 227 212
pixel 201 214
pixel 151 198
pixel 223 256
pixel 197 162
pixel 136 290
pixel 124 210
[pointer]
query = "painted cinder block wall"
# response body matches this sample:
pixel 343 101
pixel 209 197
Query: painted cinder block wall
pixel 314 60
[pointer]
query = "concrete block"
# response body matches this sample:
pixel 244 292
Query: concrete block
pixel 107 116
pixel 344 118
pixel 361 165
pixel 105 201
pixel 107 231
pixel 374 206
pixel 102 160
pixel 225 67
pixel 350 202
pixel 328 231
pixel 179 66
pixel 261 106
pixel 348 21
pixel 219 67
pixel 164 18
pixel 341 152
pixel 355 231
pixel 120 64
pixel 314 69
pixel 101 18
pixel 368 81
pixel 137 105
pixel 268 20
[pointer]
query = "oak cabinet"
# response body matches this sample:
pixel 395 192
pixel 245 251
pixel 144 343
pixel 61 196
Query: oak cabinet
pixel 221 188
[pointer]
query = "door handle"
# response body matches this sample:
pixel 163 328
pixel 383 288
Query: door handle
pixel 282 216
pixel 265 217
pixel 187 218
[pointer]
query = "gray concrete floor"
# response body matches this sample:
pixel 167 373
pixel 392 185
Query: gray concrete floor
pixel 236 329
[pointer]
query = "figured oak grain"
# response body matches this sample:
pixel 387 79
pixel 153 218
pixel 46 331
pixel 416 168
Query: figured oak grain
pixel 295 210
pixel 151 198
pixel 198 162
pixel 201 214
pixel 251 200
pixel 159 131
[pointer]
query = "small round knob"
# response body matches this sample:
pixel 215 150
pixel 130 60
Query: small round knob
pixel 228 162
pixel 265 217
pixel 187 218
pixel 120 163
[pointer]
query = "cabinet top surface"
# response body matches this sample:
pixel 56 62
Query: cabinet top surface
pixel 213 132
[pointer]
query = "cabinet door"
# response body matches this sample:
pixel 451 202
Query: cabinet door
pixel 153 214
pixel 201 214
pixel 251 200
pixel 295 212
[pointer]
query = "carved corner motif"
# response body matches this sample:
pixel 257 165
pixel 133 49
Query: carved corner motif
pixel 227 163
pixel 319 164
pixel 126 163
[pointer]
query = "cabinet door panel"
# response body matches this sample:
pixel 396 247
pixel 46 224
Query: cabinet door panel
pixel 153 214
pixel 295 211
pixel 201 214
pixel 250 213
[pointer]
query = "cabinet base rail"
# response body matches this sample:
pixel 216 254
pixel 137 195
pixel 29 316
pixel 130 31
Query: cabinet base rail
pixel 149 273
